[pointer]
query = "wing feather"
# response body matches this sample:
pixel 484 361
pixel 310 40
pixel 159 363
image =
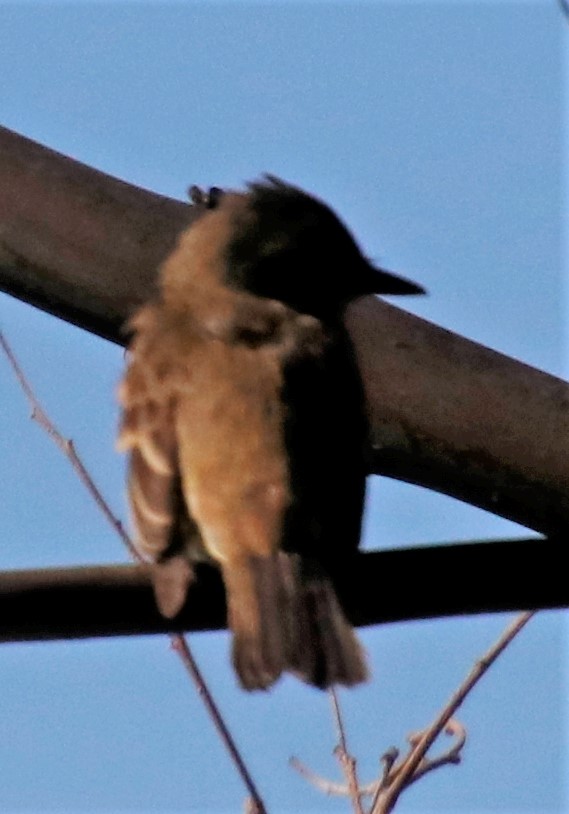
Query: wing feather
pixel 148 395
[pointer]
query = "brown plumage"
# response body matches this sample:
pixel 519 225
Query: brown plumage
pixel 245 422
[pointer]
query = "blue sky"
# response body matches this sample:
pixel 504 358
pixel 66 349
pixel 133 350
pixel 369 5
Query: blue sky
pixel 435 130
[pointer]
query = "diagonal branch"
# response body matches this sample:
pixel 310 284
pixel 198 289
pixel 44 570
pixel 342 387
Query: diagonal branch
pixel 447 413
pixel 415 765
pixel 66 446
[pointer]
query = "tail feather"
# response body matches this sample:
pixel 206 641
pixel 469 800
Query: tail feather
pixel 286 617
pixel 257 616
pixel 335 655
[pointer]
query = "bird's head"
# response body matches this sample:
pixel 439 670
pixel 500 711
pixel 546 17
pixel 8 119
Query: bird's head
pixel 278 242
pixel 289 246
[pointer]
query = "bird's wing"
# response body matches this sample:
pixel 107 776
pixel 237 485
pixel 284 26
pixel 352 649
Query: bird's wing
pixel 164 532
pixel 326 437
pixel 183 389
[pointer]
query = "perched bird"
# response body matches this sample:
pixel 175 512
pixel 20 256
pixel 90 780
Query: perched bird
pixel 244 415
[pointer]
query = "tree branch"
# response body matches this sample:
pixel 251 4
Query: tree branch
pixel 416 764
pixel 76 242
pixel 346 760
pixel 117 600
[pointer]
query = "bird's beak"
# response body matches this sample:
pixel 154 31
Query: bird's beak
pixel 372 280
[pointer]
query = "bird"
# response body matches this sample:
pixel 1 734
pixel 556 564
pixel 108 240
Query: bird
pixel 243 413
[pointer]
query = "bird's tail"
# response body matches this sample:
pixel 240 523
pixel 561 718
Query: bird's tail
pixel 285 616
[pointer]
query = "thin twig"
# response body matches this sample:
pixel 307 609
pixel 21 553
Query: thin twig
pixel 397 775
pixel 387 798
pixel 179 642
pixel 327 787
pixel 66 446
pixel 347 761
pixel 453 754
pixel 180 645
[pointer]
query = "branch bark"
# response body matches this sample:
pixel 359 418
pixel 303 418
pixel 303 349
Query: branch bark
pixel 76 242
pixel 447 413
pixel 117 600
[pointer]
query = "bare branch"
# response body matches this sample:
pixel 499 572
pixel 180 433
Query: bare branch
pixel 325 786
pixel 67 447
pixel 415 765
pixel 179 643
pixel 388 760
pixel 76 242
pixel 346 760
pixel 328 787
pixel 452 755
pixel 399 774
pixel 117 600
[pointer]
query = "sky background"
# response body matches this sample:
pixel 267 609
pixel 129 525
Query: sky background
pixel 436 131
